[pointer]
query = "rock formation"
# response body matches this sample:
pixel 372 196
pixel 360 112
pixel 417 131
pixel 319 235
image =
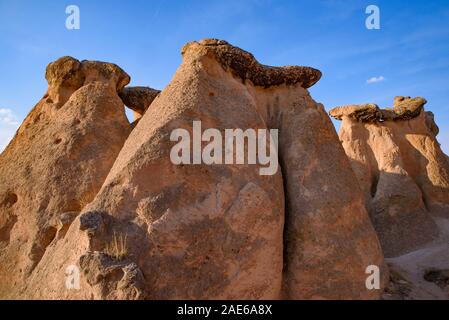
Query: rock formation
pixel 401 169
pixel 421 274
pixel 138 99
pixel 58 161
pixel 157 230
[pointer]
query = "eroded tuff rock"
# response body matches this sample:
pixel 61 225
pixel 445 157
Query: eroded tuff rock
pixel 244 66
pixel 404 108
pixel 401 169
pixel 217 231
pixel 138 99
pixel 57 162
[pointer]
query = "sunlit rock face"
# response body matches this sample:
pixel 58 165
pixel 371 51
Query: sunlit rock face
pixel 401 170
pixel 57 162
pixel 152 229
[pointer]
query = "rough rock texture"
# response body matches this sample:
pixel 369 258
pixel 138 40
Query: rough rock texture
pixel 244 66
pixel 217 231
pixel 198 231
pixel 138 99
pixel 420 275
pixel 365 112
pixel 404 108
pixel 329 240
pixel 401 169
pixel 57 162
pixel 423 273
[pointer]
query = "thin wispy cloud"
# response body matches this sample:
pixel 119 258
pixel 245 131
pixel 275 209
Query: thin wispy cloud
pixel 6 134
pixel 7 117
pixel 8 127
pixel 375 79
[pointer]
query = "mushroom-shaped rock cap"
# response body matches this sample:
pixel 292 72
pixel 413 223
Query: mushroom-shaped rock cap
pixel 245 66
pixel 65 71
pixel 405 108
pixel 138 99
pixel 105 71
pixel 409 108
pixel 70 72
pixel 363 112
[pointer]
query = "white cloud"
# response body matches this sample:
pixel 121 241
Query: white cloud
pixel 8 127
pixel 7 117
pixel 375 79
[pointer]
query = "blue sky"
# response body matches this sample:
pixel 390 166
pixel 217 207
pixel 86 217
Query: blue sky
pixel 409 54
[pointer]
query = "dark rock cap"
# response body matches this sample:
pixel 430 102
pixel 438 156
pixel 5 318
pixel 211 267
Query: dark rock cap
pixel 405 108
pixel 245 66
pixel 138 99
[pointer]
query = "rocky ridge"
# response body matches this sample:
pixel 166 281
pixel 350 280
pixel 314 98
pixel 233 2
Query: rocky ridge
pixel 80 186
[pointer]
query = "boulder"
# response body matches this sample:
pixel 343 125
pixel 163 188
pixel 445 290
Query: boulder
pixel 138 99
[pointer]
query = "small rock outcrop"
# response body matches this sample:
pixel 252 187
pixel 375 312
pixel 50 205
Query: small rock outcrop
pixel 405 108
pixel 401 169
pixel 138 99
pixel 57 162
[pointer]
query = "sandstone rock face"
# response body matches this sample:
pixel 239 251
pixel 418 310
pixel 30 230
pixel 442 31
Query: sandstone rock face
pixel 329 240
pixel 57 162
pixel 401 170
pixel 217 231
pixel 159 230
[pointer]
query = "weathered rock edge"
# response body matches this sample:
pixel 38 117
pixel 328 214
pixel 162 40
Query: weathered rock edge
pixel 405 108
pixel 245 66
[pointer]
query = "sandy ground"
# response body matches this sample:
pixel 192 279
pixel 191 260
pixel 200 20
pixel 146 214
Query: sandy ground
pixel 424 273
